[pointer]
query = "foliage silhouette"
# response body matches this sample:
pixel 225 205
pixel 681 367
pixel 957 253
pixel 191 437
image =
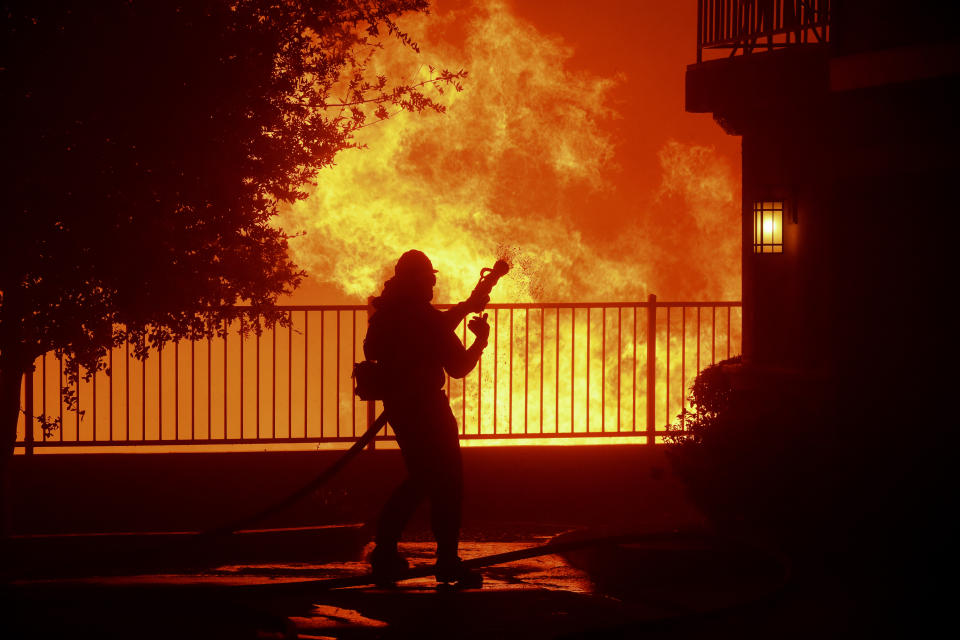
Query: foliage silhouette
pixel 827 474
pixel 769 460
pixel 710 394
pixel 148 145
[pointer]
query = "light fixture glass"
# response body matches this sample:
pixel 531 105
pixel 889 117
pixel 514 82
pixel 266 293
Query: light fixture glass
pixel 768 226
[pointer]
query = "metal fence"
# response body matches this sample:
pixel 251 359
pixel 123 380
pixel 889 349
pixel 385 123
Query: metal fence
pixel 551 370
pixel 745 25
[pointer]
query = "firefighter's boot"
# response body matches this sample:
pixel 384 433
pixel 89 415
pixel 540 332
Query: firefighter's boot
pixel 387 565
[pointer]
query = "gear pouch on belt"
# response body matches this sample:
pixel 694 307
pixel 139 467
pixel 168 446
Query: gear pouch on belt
pixel 368 380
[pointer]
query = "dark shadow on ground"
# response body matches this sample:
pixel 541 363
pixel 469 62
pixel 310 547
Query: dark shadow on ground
pixel 690 586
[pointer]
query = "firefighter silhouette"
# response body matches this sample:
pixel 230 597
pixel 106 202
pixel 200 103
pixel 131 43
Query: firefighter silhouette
pixel 414 343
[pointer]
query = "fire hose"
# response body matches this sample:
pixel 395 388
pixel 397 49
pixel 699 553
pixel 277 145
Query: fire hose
pixel 488 278
pixel 306 489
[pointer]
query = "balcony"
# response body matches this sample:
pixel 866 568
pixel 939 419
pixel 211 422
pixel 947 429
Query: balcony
pixel 743 27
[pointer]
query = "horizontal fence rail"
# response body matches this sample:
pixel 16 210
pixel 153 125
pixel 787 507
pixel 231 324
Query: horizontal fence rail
pixel 551 370
pixel 745 25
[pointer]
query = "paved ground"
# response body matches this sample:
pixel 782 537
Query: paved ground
pixel 689 587
pixel 165 585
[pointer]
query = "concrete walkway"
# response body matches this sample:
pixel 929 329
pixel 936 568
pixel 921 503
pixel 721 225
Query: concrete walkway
pixel 664 590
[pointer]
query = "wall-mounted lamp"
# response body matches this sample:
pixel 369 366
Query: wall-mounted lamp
pixel 768 226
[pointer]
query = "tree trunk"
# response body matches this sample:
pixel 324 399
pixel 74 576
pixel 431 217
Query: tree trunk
pixel 11 375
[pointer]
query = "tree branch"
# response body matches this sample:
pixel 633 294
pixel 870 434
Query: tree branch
pixel 446 78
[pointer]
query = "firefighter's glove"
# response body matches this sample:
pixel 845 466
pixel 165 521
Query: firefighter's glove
pixel 477 301
pixel 479 327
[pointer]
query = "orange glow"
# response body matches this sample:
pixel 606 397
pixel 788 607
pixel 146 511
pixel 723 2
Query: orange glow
pixel 574 373
pixel 569 151
pixel 528 158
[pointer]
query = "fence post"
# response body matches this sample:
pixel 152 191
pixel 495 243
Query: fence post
pixel 371 404
pixel 28 412
pixel 371 418
pixel 651 366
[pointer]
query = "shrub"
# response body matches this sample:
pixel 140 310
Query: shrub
pixel 709 395
pixel 840 472
pixel 763 458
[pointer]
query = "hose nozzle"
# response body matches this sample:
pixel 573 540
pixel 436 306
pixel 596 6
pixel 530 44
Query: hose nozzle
pixel 489 277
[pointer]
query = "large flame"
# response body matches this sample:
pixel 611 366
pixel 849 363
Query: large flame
pixel 498 172
pixel 504 171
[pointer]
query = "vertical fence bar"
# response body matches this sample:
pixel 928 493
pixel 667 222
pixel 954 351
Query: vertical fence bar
pixel 526 366
pixel 76 391
pixel 336 375
pixel 256 369
pixel 290 374
pixel 93 408
pixel 705 17
pixel 480 385
pixel 683 367
pixel 322 314
pixel 226 328
pixel 273 381
pixel 60 396
pixel 306 356
pixel 556 373
pixel 603 371
pixel 242 340
pixel 729 331
pixel 109 391
pixel 496 363
pixel 708 18
pixel 573 361
pixel 43 386
pixel 698 338
pixel 666 394
pixel 717 23
pixel 587 403
pixel 651 365
pixel 619 359
pixel 726 19
pixel 209 388
pixel 176 388
pixel 372 404
pixel 159 393
pixel 633 402
pixel 28 412
pixel 193 391
pixel 143 399
pixel 541 368
pixel 371 418
pixel 510 379
pixel 713 334
pixel 353 356
pixel 126 395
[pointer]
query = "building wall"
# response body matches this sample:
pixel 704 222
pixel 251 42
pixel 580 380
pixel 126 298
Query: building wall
pixel 865 147
pixel 871 174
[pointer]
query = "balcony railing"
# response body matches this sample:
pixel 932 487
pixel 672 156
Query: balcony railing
pixel 744 26
pixel 610 372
